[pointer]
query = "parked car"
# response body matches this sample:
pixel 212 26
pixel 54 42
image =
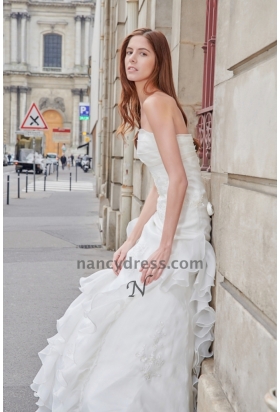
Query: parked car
pixel 5 161
pixel 51 158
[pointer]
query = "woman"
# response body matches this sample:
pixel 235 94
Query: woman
pixel 133 341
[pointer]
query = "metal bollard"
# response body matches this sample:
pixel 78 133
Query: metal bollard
pixel 49 169
pixel 45 178
pixel 18 187
pixel 26 181
pixel 70 180
pixel 57 171
pixel 8 189
pixel 76 171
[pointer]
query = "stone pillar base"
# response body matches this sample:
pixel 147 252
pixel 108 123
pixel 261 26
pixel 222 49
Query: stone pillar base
pixel 118 224
pixel 110 229
pixel 211 397
pixel 108 225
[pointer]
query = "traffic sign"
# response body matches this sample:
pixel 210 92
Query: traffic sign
pixel 84 110
pixel 34 120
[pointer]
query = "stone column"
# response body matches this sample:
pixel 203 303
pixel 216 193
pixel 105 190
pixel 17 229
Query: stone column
pixel 14 17
pixel 75 117
pixel 78 41
pixel 13 114
pixel 132 16
pixel 6 115
pixel 23 90
pixel 23 37
pixel 128 151
pixel 87 24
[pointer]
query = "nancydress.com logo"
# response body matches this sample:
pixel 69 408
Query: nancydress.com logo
pixel 129 264
pixel 136 264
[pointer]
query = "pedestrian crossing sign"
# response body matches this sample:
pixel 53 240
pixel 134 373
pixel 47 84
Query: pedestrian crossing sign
pixel 34 119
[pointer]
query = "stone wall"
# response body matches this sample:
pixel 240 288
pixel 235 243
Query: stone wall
pixel 243 188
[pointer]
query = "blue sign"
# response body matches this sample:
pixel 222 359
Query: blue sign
pixel 84 110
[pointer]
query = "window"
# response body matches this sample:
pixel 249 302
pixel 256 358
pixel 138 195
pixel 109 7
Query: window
pixel 52 52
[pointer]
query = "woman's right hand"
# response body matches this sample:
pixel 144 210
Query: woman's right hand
pixel 120 255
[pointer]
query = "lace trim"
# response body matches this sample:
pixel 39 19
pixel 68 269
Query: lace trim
pixel 152 362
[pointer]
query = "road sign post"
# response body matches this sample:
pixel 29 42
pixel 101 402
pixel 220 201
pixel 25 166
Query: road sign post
pixel 34 171
pixel 33 126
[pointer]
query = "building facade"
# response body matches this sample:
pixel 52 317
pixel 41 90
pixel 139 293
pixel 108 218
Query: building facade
pixel 240 171
pixel 46 54
pixel 243 192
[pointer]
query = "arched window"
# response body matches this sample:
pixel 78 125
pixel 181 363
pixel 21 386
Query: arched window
pixel 52 52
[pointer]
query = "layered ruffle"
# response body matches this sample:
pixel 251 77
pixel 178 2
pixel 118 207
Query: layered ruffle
pixel 198 253
pixel 71 355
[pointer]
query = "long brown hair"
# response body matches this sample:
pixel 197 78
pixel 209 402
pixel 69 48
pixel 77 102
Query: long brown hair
pixel 161 79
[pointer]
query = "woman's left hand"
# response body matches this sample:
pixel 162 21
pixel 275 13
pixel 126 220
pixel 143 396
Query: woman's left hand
pixel 155 265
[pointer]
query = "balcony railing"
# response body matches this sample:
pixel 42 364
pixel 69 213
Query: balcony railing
pixel 204 134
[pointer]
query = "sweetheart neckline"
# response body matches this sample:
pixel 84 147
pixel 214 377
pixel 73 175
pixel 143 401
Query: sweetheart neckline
pixel 178 134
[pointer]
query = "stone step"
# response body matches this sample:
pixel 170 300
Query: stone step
pixel 211 397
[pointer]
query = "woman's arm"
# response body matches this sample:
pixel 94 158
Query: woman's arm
pixel 147 211
pixel 159 113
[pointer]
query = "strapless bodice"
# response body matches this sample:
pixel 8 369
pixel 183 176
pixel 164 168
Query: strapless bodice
pixel 147 149
pixel 195 200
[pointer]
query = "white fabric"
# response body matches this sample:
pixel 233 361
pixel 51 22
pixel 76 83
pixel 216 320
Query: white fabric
pixel 115 353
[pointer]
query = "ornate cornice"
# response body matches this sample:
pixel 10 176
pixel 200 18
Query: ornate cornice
pixel 53 23
pixel 52 4
pixel 20 15
pixel 82 17
pixel 76 92
pixel 23 89
pixel 14 89
pixel 52 74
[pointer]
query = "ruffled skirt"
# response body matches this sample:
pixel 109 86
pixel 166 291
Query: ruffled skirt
pixel 120 348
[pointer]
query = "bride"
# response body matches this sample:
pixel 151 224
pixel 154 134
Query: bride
pixel 134 339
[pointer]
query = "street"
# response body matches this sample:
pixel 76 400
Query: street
pixel 42 232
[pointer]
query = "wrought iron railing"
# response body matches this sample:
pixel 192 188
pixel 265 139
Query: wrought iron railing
pixel 204 135
pixel 205 114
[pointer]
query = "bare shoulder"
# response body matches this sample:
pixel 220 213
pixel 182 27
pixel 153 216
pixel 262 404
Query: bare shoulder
pixel 159 101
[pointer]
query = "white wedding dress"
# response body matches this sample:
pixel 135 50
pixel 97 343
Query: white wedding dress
pixel 117 353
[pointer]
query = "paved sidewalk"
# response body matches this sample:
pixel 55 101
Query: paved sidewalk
pixel 41 233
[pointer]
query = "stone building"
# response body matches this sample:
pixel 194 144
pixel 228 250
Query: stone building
pixel 46 53
pixel 240 125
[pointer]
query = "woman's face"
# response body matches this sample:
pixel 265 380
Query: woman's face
pixel 139 60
